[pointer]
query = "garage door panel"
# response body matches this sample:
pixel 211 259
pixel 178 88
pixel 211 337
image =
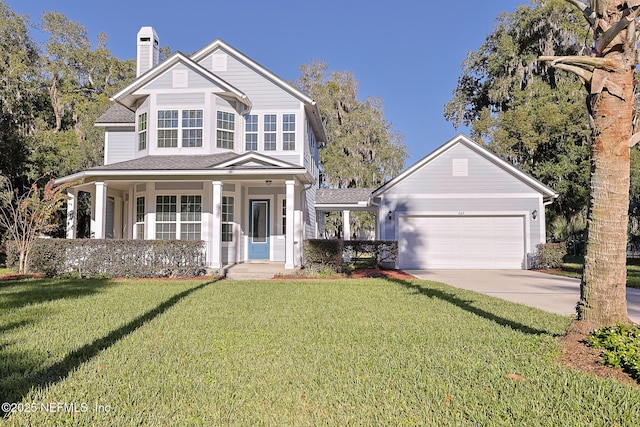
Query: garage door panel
pixel 461 242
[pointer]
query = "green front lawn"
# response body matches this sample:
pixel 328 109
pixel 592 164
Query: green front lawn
pixel 331 352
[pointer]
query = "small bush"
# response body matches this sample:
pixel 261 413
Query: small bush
pixel 323 254
pixel 621 346
pixel 549 256
pixel 114 258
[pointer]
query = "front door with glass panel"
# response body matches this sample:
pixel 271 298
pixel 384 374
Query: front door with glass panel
pixel 259 229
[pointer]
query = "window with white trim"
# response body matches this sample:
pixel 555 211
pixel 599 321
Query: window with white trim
pixel 142 131
pixel 166 211
pixel 227 218
pixel 251 132
pixel 225 127
pixel 192 128
pixel 167 128
pixel 185 217
pixel 190 217
pixel 284 216
pixel 288 131
pixel 139 233
pixel 270 129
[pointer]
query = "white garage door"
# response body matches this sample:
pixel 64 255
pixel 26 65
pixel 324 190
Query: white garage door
pixel 461 242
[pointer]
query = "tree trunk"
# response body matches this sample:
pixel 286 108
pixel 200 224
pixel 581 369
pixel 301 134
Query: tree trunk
pixel 603 288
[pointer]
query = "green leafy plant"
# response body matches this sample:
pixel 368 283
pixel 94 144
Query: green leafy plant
pixel 549 256
pixel 621 347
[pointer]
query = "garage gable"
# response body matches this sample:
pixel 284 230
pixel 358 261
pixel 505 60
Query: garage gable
pixel 464 166
pixel 463 207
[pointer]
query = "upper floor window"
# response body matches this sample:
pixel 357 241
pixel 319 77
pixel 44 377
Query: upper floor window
pixel 188 130
pixel 288 131
pixel 142 131
pixel 251 132
pixel 270 128
pixel 225 125
pixel 167 128
pixel 192 128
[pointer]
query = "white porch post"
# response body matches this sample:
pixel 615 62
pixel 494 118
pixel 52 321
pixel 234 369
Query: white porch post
pixel 289 262
pixel 100 201
pixel 346 232
pixel 71 214
pixel 346 225
pixel 216 231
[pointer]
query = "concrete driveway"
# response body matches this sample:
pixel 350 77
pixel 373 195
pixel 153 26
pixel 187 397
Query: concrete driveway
pixel 551 293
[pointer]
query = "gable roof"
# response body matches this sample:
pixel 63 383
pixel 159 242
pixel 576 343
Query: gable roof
pixel 127 96
pixel 343 198
pixel 546 191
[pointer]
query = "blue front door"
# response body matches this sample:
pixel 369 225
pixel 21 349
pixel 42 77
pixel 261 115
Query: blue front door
pixel 259 229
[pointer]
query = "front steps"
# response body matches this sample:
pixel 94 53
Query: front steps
pixel 254 270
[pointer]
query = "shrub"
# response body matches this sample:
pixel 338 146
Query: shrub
pixel 621 346
pixel 321 254
pixel 382 252
pixel 549 255
pixel 115 258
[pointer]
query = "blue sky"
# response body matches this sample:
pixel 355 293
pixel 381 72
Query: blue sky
pixel 407 52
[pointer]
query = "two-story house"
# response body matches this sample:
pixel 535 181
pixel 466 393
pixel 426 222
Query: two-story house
pixel 210 146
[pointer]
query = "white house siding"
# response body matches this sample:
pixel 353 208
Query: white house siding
pixel 262 92
pixel 120 145
pixel 165 81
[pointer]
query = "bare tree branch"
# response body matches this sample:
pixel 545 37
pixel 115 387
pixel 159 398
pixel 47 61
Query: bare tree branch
pixel 589 14
pixel 584 75
pixel 635 138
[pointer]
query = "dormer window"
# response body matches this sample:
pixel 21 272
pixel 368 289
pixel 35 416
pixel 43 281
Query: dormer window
pixel 167 128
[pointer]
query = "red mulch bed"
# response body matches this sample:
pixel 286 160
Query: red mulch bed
pixel 368 273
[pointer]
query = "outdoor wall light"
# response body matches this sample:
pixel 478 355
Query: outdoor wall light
pixel 268 181
pixel 390 215
pixel 534 214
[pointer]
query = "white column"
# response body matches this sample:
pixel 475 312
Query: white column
pixel 289 262
pixel 71 214
pixel 97 225
pixel 346 225
pixel 215 258
pixel 346 232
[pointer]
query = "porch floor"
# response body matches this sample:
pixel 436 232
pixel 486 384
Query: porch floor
pixel 254 270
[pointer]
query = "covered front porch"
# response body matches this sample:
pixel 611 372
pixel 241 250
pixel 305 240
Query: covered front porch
pixel 239 220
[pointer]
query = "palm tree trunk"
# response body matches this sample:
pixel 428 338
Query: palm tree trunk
pixel 603 287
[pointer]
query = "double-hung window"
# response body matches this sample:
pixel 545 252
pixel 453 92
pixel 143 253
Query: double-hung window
pixel 166 210
pixel 227 218
pixel 167 128
pixel 139 218
pixel 190 217
pixel 192 128
pixel 251 132
pixel 225 127
pixel 142 131
pixel 270 129
pixel 288 131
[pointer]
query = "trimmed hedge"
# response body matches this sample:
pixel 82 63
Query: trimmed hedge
pixel 383 252
pixel 322 254
pixel 114 258
pixel 549 256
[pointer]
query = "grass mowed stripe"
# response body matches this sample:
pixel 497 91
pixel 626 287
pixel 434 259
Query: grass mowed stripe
pixel 367 352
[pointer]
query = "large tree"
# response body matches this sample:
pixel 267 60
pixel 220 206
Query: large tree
pixel 608 74
pixel 527 114
pixel 363 150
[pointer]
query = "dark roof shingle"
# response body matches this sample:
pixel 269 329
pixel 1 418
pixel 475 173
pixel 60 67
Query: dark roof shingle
pixel 117 114
pixel 328 196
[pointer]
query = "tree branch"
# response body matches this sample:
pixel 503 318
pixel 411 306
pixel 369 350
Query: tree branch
pixel 588 62
pixel 635 138
pixel 584 75
pixel 589 14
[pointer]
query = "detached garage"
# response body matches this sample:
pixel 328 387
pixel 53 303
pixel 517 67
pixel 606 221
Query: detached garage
pixel 462 207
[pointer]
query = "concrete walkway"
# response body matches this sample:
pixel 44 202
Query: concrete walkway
pixel 555 294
